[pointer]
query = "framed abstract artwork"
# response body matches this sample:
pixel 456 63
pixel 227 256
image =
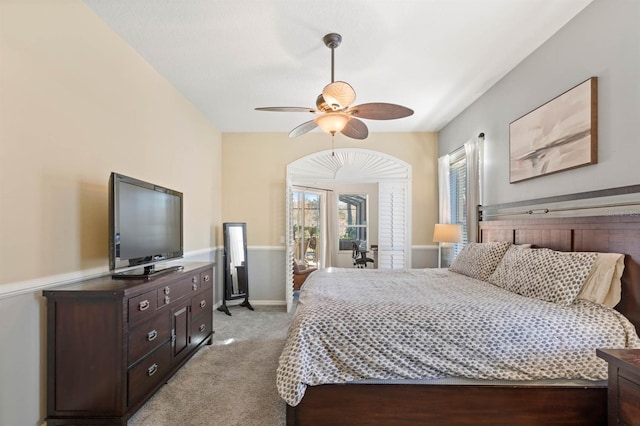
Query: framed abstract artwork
pixel 560 135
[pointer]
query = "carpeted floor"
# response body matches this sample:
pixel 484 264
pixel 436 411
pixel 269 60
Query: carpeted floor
pixel 231 382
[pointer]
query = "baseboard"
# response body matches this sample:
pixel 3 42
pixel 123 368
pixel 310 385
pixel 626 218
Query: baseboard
pixel 268 302
pixel 254 302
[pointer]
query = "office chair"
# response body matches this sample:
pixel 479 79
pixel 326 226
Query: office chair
pixel 360 258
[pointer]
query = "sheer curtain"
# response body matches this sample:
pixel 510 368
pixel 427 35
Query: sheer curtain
pixel 444 197
pixel 460 186
pixel 328 231
pixel 444 193
pixel 473 151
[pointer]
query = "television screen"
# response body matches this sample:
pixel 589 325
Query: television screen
pixel 145 224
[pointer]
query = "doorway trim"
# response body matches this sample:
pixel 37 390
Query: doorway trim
pixel 356 165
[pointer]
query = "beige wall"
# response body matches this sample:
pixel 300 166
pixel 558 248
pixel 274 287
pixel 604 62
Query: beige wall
pixel 254 169
pixel 76 103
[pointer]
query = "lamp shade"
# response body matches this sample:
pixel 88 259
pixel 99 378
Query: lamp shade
pixel 332 122
pixel 447 233
pixel 338 95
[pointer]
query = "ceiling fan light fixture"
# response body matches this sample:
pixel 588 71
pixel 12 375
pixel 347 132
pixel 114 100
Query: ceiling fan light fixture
pixel 333 107
pixel 339 95
pixel 332 122
pixel 321 104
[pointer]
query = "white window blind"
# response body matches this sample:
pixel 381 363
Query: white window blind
pixel 458 194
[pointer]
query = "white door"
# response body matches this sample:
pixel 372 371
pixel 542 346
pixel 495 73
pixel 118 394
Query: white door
pixel 394 245
pixel 289 250
pixel 306 214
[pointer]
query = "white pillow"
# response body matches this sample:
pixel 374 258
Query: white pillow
pixel 522 246
pixel 603 282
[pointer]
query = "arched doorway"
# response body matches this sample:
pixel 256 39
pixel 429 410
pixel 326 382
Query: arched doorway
pixel 349 166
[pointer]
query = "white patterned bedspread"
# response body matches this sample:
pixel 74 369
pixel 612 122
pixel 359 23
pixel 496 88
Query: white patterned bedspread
pixel 353 324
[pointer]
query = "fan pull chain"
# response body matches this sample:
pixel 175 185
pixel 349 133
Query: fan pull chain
pixel 333 144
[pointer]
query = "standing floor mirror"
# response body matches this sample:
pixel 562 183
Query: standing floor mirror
pixel 234 257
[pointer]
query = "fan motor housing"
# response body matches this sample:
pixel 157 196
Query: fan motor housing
pixel 332 40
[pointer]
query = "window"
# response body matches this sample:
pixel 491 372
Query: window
pixel 305 214
pixel 460 175
pixel 458 196
pixel 352 220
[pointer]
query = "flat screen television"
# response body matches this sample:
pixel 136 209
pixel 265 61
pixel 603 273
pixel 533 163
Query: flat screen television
pixel 145 227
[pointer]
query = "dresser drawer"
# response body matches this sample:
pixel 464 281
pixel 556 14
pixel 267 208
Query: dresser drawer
pixel 201 303
pixel 148 372
pixel 201 327
pixel 206 279
pixel 178 289
pixel 149 335
pixel 142 306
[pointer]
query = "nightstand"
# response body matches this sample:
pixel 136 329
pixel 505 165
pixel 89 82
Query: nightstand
pixel 624 385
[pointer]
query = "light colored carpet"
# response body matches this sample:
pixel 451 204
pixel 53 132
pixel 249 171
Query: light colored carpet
pixel 233 381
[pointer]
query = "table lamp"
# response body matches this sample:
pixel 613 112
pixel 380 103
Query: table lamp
pixel 446 233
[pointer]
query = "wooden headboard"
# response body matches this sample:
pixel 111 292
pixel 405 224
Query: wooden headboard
pixel 613 234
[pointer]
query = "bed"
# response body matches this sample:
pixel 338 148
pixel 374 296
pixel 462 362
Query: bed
pixel 492 398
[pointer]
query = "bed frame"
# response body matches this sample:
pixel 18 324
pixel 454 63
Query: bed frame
pixel 369 404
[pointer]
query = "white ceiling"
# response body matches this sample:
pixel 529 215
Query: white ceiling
pixel 433 56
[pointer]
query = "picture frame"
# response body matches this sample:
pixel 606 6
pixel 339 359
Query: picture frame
pixel 561 134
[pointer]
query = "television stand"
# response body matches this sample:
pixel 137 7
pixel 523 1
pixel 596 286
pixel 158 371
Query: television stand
pixel 111 347
pixel 149 273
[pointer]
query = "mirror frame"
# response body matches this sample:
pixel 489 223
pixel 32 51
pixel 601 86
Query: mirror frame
pixel 241 271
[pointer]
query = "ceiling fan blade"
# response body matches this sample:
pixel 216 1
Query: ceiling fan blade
pixel 287 109
pixel 338 95
pixel 355 129
pixel 303 128
pixel 380 111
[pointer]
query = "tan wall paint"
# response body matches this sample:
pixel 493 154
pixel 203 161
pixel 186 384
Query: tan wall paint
pixel 254 172
pixel 77 103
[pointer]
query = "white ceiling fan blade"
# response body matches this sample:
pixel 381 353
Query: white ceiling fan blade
pixel 355 129
pixel 339 95
pixel 287 109
pixel 303 128
pixel 380 111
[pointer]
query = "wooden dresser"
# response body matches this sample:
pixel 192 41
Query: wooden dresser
pixel 111 344
pixel 624 385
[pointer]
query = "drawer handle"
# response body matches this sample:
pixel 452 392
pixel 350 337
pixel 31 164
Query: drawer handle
pixel 202 327
pixel 203 303
pixel 152 370
pixel 152 335
pixel 194 280
pixel 167 290
pixel 194 286
pixel 206 278
pixel 167 300
pixel 144 305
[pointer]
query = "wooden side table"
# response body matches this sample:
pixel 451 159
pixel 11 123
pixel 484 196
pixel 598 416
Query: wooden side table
pixel 624 385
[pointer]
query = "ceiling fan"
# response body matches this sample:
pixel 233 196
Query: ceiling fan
pixel 334 112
